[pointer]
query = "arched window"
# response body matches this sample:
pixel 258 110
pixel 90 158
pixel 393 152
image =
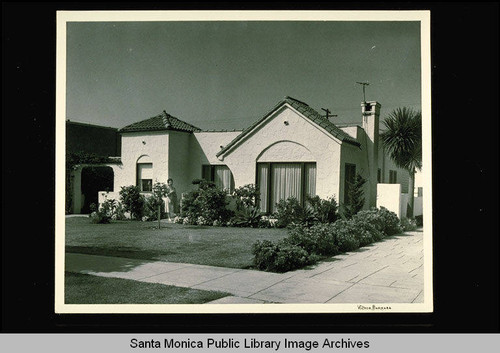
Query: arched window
pixel 144 174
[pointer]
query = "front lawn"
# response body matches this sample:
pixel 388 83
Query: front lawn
pixel 87 289
pixel 203 245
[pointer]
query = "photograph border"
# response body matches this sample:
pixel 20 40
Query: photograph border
pixel 63 17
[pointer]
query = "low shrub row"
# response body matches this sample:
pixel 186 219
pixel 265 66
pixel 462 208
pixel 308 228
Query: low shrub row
pixel 109 210
pixel 280 256
pixel 132 202
pixel 305 244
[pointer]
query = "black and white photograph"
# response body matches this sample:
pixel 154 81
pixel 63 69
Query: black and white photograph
pixel 243 162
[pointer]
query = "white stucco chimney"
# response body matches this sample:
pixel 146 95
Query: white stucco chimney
pixel 371 123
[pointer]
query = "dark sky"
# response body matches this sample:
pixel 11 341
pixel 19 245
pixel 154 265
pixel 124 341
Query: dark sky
pixel 219 75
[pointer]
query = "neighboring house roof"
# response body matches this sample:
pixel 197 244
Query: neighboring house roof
pixel 160 122
pixel 306 111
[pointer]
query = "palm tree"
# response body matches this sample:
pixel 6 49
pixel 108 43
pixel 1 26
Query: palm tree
pixel 403 141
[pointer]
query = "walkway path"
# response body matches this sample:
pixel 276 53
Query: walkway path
pixel 390 271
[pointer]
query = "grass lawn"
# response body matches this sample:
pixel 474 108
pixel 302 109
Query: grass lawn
pixel 213 246
pixel 87 289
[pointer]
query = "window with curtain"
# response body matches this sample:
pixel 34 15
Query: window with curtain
pixel 220 175
pixel 145 176
pixel 263 186
pixel 280 181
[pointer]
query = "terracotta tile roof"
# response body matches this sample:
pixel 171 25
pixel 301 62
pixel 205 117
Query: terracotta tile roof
pixel 306 111
pixel 160 122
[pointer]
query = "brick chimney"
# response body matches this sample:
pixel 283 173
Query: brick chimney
pixel 371 123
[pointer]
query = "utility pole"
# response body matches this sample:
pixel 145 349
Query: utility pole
pixel 364 84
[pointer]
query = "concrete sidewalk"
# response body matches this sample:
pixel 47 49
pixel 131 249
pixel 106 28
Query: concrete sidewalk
pixel 390 271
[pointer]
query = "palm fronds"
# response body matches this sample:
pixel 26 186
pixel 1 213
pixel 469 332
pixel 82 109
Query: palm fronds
pixel 403 138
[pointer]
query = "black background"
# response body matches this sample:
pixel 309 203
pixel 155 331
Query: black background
pixel 465 180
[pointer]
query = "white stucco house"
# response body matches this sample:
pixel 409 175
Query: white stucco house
pixel 291 151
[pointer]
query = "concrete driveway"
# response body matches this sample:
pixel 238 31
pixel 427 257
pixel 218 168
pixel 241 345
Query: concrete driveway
pixel 390 271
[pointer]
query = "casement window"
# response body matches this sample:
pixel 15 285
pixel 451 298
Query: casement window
pixel 145 176
pixel 349 179
pixel 220 175
pixel 280 181
pixel 393 177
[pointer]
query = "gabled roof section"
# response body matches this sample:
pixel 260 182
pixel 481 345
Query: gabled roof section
pixel 161 122
pixel 306 111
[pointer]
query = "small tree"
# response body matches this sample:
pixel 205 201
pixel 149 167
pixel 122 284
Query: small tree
pixel 160 190
pixel 355 197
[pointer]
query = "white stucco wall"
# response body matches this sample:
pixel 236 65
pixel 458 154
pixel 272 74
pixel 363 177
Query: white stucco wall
pixel 358 156
pixel 351 130
pixel 203 148
pixel 208 144
pixel 389 196
pixel 418 206
pixel 179 160
pixel 320 147
pixel 136 144
pixel 286 151
pixel 419 179
pixel 174 154
pixel 386 164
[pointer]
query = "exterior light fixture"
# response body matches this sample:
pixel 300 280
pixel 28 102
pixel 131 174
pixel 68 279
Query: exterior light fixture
pixel 286 122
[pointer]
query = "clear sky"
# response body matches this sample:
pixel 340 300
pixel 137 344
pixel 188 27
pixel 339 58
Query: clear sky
pixel 225 75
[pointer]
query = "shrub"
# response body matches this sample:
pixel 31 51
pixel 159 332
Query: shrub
pixel 247 216
pixel 345 235
pixel 325 211
pixel 420 220
pixel 109 210
pixel 207 202
pixel 151 208
pixel 290 211
pixel 178 219
pixel 267 222
pixel 373 218
pixel 281 256
pixel 132 201
pixel 408 225
pixel 246 196
pixel 356 199
pixel 93 207
pixel 111 207
pixel 202 221
pixel 119 212
pixel 108 207
pixel 365 231
pixel 390 221
pixel 99 217
pixel 318 239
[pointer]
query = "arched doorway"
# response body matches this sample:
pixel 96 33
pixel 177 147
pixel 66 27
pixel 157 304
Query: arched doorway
pixel 93 180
